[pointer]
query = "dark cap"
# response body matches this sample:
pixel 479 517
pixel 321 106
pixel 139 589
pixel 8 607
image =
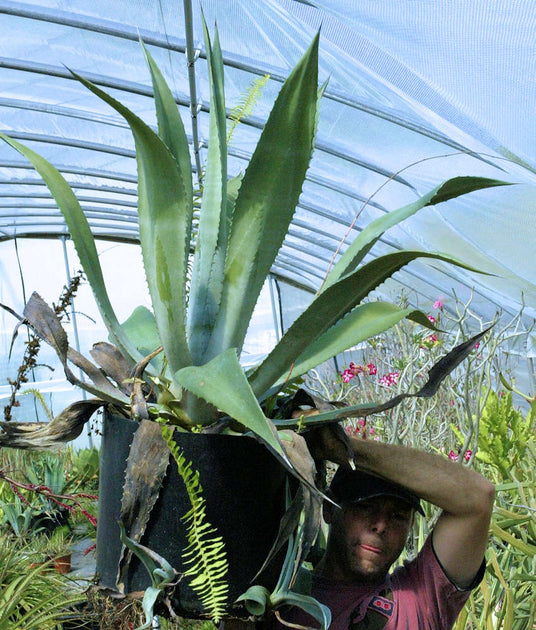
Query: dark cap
pixel 352 486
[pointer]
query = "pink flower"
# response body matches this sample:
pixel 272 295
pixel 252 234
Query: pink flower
pixel 453 457
pixel 372 369
pixel 438 304
pixel 371 431
pixel 356 369
pixel 361 422
pixel 467 455
pixel 389 379
pixel 431 318
pixel 347 376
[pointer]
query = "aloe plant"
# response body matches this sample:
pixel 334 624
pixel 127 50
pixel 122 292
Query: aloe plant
pixel 199 320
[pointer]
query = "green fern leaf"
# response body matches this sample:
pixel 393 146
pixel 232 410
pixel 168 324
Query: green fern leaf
pixel 204 557
pixel 246 105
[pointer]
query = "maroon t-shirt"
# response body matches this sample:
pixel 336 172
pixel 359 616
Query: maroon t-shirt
pixel 416 596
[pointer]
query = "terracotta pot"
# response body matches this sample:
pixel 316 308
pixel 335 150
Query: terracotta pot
pixel 62 564
pixel 244 489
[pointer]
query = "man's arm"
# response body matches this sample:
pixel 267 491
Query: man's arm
pixel 466 498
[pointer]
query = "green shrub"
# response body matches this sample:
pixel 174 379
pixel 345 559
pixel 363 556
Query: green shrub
pixel 33 598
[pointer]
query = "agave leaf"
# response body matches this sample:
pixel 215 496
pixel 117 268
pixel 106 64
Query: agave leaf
pixel 287 526
pixel 310 502
pixel 364 322
pixel 449 362
pixel 146 468
pixel 47 325
pixel 328 308
pixel 222 383
pixel 82 238
pixel 42 436
pixel 309 604
pixel 267 199
pixel 437 373
pixel 362 244
pixel 114 364
pixel 160 571
pixel 233 187
pixel 142 330
pixel 170 125
pixel 256 600
pixel 165 218
pixel 207 276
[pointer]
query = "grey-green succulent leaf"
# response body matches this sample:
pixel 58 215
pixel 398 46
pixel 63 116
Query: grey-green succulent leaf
pixel 170 125
pixel 141 328
pixel 256 600
pixel 307 603
pixel 267 200
pixel 165 219
pixel 362 244
pixel 363 322
pixel 83 240
pixel 328 308
pixel 211 244
pixel 222 383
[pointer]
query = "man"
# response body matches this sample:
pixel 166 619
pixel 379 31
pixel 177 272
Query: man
pixel 369 530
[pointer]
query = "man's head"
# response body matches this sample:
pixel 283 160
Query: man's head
pixel 353 486
pixel 370 530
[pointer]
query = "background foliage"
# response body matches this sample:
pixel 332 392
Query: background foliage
pixel 476 420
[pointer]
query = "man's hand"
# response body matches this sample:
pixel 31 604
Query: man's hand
pixel 466 498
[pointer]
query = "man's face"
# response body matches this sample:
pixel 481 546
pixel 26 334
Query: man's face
pixel 366 538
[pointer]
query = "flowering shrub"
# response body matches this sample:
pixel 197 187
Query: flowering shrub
pixel 455 457
pixel 399 361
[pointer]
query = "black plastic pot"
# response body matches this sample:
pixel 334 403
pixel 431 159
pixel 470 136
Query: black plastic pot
pixel 244 489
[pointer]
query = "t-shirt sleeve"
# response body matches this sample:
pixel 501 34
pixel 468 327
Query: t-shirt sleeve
pixel 437 599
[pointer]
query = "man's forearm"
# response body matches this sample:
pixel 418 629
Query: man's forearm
pixel 456 489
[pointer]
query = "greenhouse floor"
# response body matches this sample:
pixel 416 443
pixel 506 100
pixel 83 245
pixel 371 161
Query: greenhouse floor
pixel 82 566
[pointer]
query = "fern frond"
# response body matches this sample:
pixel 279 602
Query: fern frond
pixel 246 104
pixel 204 557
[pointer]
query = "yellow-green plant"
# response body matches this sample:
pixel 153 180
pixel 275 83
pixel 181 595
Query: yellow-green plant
pixel 204 556
pixel 504 433
pixel 507 450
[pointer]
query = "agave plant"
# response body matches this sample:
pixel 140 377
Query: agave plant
pixel 179 362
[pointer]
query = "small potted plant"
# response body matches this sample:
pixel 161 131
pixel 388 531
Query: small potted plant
pixel 172 379
pixel 59 549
